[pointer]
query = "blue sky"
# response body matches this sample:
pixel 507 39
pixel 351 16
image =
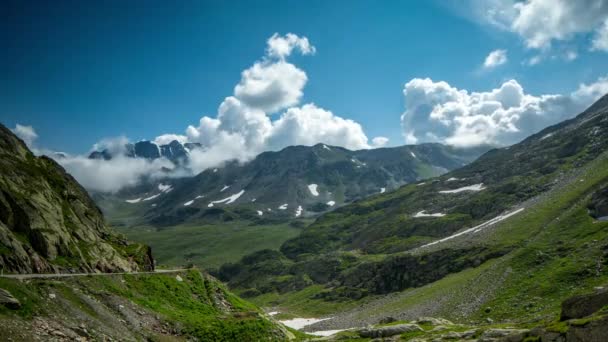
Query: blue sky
pixel 78 72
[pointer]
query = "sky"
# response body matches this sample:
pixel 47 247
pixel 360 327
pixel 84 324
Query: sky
pixel 243 77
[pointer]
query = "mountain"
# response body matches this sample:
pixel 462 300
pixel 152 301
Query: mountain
pixel 505 238
pixel 48 222
pixel 174 151
pixel 296 182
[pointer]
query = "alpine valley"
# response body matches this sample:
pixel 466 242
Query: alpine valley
pixel 291 171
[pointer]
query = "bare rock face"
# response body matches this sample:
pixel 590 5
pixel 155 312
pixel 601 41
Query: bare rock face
pixel 7 299
pixel 48 222
pixel 390 330
pixel 583 305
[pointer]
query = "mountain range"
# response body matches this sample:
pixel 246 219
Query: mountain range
pixel 173 151
pixel 296 182
pixel 506 237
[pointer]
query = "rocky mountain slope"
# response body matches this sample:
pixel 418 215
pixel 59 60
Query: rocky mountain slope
pixel 182 306
pixel 295 182
pixel 48 222
pixel 173 151
pixel 507 238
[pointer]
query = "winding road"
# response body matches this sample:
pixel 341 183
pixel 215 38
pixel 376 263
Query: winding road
pixel 64 275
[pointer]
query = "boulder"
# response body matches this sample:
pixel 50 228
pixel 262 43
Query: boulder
pixel 583 305
pixel 510 335
pixel 388 331
pixel 593 331
pixel 433 321
pixel 7 299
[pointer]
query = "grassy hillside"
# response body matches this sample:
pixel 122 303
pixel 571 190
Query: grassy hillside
pixel 209 245
pixel 160 307
pixel 511 232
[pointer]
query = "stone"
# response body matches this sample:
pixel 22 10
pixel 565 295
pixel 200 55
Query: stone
pixel 510 335
pixel 389 331
pixel 7 299
pixel 433 321
pixel 178 278
pixel 583 305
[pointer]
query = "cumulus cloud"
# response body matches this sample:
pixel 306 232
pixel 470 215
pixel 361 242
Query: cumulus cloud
pixel 167 138
pixel 26 133
pixel 242 128
pixel 282 46
pixel 495 58
pixel 439 112
pixel 600 40
pixel 271 86
pixel 112 175
pixel 541 23
pixel 379 141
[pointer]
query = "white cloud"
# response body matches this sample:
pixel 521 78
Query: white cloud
pixel 112 175
pixel 282 46
pixel 242 128
pixel 495 58
pixel 168 138
pixel 541 23
pixel 438 112
pixel 114 145
pixel 379 141
pixel 600 40
pixel 26 133
pixel 309 124
pixel 271 86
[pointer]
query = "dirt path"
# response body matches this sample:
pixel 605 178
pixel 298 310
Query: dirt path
pixel 63 275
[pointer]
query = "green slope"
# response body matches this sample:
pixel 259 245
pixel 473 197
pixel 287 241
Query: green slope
pixel 375 246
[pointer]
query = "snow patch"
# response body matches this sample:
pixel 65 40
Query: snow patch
pixel 164 187
pixel 382 190
pixel 413 155
pixel 299 323
pixel 224 188
pixel 423 214
pixel 327 148
pixel 273 313
pixel 452 179
pixel 151 197
pixel 474 187
pixel 547 136
pixel 299 211
pixel 227 200
pixel 133 201
pixel 199 196
pixel 419 184
pixel 188 203
pixel 478 227
pixel 331 203
pixel 253 199
pixel 260 213
pixel 313 189
pixel 214 170
pixel 283 207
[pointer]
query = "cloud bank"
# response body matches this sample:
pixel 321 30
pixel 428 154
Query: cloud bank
pixel 263 113
pixel 541 23
pixel 439 112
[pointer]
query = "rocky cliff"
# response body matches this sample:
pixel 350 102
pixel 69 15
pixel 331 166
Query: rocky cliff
pixel 48 223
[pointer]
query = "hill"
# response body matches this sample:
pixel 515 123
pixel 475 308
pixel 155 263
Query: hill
pixel 507 237
pixel 48 224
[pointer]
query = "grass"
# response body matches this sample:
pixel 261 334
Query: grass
pixel 301 303
pixel 209 246
pixel 199 304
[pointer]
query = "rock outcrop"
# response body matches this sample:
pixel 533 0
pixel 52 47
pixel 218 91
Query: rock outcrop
pixel 48 222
